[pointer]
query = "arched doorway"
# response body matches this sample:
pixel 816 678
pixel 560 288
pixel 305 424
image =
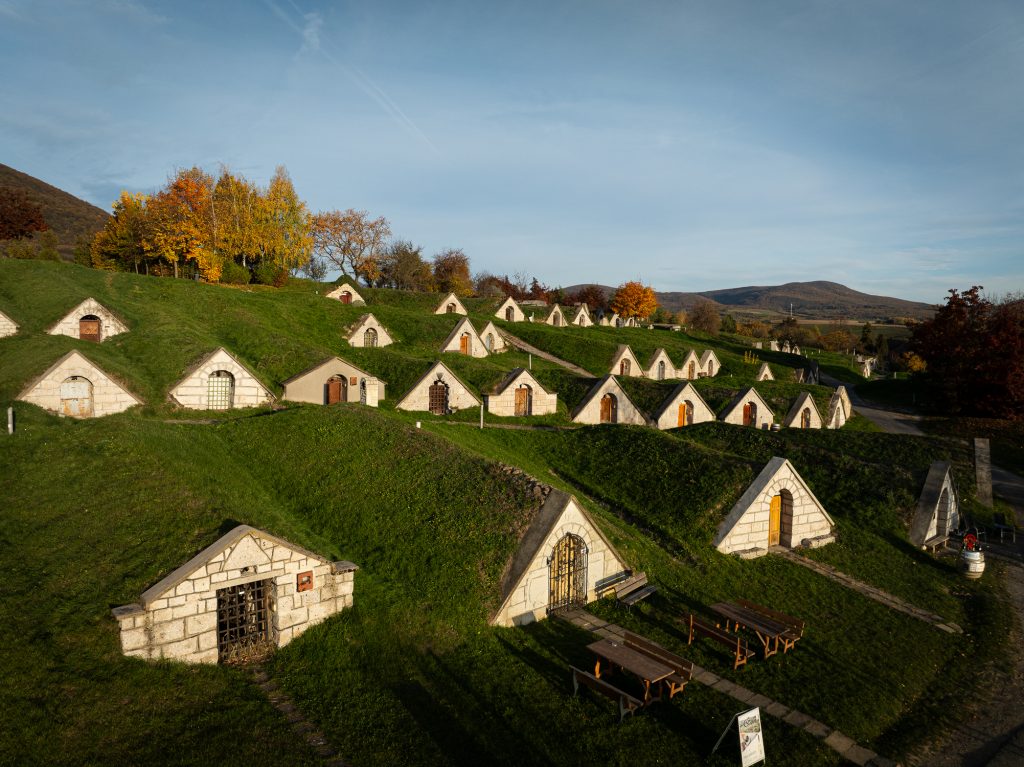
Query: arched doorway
pixel 466 343
pixel 685 413
pixel 624 367
pixel 76 397
pixel 524 400
pixel 90 328
pixel 337 389
pixel 556 319
pixel 567 570
pixel 711 367
pixel 450 309
pixel 609 409
pixel 346 297
pixel 805 418
pixel 437 397
pixel 489 342
pixel 370 338
pixel 691 370
pixel 661 370
pixel 510 314
pixel 220 390
pixel 780 519
pixel 750 414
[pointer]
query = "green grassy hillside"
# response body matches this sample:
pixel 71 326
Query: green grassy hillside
pixel 96 511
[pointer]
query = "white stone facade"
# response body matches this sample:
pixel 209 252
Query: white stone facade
pixel 537 399
pixel 74 386
pixel 839 409
pixel 690 370
pixel 527 588
pixel 493 341
pixel 450 304
pixel 510 311
pixel 765 373
pixel 735 412
pixel 70 324
pixel 8 327
pixel 241 388
pixel 592 409
pixel 582 317
pixel 556 317
pixel 177 619
pixel 464 340
pixel 709 364
pixel 671 416
pixel 459 396
pixel 368 332
pixel 661 367
pixel 625 363
pixel 347 295
pixel 804 521
pixel 804 414
pixel 938 508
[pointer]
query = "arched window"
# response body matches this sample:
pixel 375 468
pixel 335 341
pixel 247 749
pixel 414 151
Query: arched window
pixel 624 367
pixel 510 313
pixel 661 370
pixel 609 409
pixel 337 389
pixel 805 418
pixel 567 573
pixel 524 400
pixel 750 414
pixel 76 397
pixel 437 397
pixel 220 390
pixel 90 328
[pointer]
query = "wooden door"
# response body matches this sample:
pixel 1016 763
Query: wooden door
pixel 464 343
pixel 661 370
pixel 609 409
pixel 346 297
pixel 523 401
pixel 805 418
pixel 711 368
pixel 691 371
pixel 89 329
pixel 750 414
pixel 489 343
pixel 336 390
pixel 450 309
pixel 510 314
pixel 438 398
pixel 775 520
pixel 624 368
pixel 685 413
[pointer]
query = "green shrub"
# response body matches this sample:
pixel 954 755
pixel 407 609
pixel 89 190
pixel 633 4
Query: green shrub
pixel 235 274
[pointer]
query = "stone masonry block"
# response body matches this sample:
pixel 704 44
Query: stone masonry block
pixel 197 624
pixel 170 631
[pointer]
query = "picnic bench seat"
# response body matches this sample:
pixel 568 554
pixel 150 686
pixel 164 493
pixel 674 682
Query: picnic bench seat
pixel 935 543
pixel 682 669
pixel 634 588
pixel 627 703
pixel 736 643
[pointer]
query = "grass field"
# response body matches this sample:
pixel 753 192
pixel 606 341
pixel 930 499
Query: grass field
pixel 97 511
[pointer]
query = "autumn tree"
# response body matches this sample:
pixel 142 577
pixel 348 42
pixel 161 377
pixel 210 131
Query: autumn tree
pixel 180 223
pixel 402 266
pixel 20 217
pixel 123 243
pixel 591 295
pixel 351 240
pixel 633 299
pixel 728 323
pixel 451 272
pixel 837 341
pixel 704 316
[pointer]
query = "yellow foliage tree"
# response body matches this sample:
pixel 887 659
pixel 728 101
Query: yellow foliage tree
pixel 634 299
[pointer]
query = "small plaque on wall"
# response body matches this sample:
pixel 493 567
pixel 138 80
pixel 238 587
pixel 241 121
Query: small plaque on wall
pixel 304 581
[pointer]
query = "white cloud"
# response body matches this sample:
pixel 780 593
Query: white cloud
pixel 311 33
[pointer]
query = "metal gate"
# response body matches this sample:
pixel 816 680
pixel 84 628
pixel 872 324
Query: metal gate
pixel 437 401
pixel 370 338
pixel 568 573
pixel 243 622
pixel 89 328
pixel 220 390
pixel 76 397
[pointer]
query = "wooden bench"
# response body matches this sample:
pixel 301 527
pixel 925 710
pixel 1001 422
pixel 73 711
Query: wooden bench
pixel 794 626
pixel 634 588
pixel 627 703
pixel 682 669
pixel 935 543
pixel 737 644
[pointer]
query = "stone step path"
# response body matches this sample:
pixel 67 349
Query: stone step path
pixel 300 725
pixel 844 746
pixel 871 592
pixel 525 347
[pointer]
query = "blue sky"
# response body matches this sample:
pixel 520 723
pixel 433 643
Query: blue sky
pixel 693 145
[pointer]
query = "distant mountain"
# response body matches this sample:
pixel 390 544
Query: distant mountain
pixel 68 216
pixel 819 300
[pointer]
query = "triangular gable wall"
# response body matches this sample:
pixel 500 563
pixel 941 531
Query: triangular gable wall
pixel 107 396
pixel 453 343
pixel 526 584
pixel 734 412
pixel 517 312
pixel 804 521
pixel 305 588
pixel 794 420
pixel 8 327
pixel 667 416
pixel 192 391
pixel 764 373
pixel 497 341
pixel 624 352
pixel 709 364
pixel 311 384
pixel 418 397
pixel 581 317
pixel 451 298
pixel 68 325
pixel 938 508
pixel 503 400
pixel 589 410
pixel 338 292
pixel 684 369
pixel 556 311
pixel 357 337
pixel 652 368
pixel 837 411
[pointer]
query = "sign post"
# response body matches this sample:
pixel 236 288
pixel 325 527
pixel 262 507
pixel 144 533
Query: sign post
pixel 751 737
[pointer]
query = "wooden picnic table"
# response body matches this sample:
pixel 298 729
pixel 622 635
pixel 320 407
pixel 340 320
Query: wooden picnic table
pixel 771 632
pixel 648 670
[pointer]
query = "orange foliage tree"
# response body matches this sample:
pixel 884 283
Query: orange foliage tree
pixel 352 241
pixel 634 299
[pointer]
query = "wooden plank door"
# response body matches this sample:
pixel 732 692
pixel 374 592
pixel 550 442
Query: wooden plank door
pixel 346 297
pixel 523 401
pixel 464 343
pixel 89 329
pixel 775 520
pixel 692 371
pixel 334 389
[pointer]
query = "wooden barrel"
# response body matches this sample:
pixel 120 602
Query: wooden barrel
pixel 972 563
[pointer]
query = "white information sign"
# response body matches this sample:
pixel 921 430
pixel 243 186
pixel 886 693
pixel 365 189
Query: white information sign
pixel 751 737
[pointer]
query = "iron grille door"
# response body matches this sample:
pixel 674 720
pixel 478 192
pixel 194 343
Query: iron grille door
pixel 370 338
pixel 438 398
pixel 568 573
pixel 220 390
pixel 243 622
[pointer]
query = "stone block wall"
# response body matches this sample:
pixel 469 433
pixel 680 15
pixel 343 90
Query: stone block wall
pixel 109 324
pixel 504 403
pixel 517 313
pixel 765 417
pixel 108 397
pixel 357 337
pixel 627 412
pixel 193 391
pixel 7 326
pixel 669 419
pixel 476 345
pixel 418 398
pixel 180 623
